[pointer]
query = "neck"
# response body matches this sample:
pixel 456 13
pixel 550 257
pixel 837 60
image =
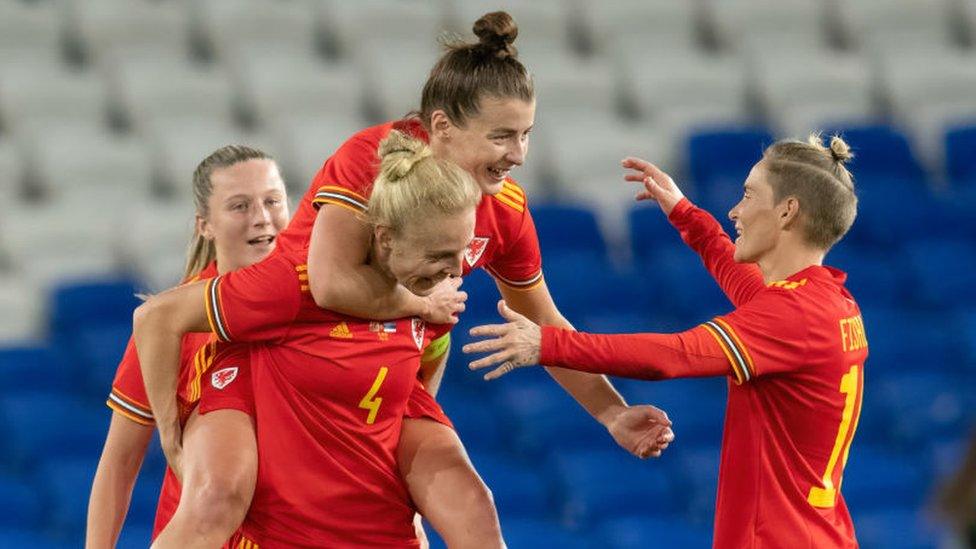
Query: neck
pixel 224 265
pixel 786 260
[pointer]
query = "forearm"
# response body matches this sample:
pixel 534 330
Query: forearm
pixel 593 391
pixel 158 343
pixel 363 293
pixel 693 353
pixel 112 486
pixel 703 234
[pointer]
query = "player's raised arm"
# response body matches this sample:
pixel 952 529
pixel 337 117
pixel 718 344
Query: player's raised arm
pixel 700 231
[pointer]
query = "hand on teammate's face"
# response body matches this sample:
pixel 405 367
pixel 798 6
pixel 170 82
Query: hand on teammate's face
pixel 445 302
pixel 658 186
pixel 513 345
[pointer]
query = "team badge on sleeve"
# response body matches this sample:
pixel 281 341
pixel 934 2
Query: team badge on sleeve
pixel 223 377
pixel 476 248
pixel 417 327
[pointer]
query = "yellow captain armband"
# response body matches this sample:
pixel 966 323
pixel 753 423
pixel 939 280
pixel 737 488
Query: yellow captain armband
pixel 437 348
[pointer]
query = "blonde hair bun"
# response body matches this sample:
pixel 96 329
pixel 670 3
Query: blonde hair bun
pixel 840 150
pixel 496 32
pixel 398 155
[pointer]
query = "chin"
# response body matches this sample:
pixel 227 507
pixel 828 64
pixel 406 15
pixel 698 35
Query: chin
pixel 491 186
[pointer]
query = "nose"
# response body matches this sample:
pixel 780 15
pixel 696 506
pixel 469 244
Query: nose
pixel 453 267
pixel 262 216
pixel 734 213
pixel 516 152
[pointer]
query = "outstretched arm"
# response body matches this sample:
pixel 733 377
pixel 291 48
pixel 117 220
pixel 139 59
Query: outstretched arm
pixel 629 425
pixel 700 231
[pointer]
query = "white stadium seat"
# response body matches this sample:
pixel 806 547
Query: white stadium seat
pixel 33 97
pixel 769 25
pixel 645 26
pixel 30 32
pixel 232 28
pixel 893 25
pixel 389 24
pixel 106 29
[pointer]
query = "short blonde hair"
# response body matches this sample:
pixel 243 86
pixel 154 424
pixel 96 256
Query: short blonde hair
pixel 817 177
pixel 413 185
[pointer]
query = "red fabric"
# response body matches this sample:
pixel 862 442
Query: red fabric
pixel 421 405
pixel 327 476
pixel 227 385
pixel 505 242
pixel 796 351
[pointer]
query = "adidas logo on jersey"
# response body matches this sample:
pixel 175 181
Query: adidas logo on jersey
pixel 341 331
pixel 223 377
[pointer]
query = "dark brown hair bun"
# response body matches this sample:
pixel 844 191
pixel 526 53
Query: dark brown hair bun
pixel 496 32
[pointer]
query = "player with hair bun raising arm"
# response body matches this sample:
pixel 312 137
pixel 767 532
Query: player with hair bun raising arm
pixel 794 348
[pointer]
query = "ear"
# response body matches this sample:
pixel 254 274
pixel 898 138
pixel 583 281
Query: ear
pixel 440 125
pixel 383 235
pixel 789 211
pixel 203 228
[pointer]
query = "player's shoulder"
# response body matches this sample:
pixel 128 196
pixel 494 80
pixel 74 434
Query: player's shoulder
pixel 510 200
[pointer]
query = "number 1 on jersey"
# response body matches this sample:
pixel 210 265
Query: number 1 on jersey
pixel 826 497
pixel 371 402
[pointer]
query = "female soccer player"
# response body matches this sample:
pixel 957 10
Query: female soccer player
pixel 794 348
pixel 241 206
pixel 330 391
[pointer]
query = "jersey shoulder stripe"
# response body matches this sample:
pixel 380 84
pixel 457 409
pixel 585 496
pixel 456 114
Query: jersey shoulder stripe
pixel 202 360
pixel 128 407
pixel 734 350
pixel 504 199
pixel 514 192
pixel 524 285
pixel 215 315
pixel 340 196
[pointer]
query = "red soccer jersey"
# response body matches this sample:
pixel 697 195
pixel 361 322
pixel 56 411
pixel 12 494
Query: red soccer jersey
pixel 505 241
pixel 330 392
pixel 128 397
pixel 795 352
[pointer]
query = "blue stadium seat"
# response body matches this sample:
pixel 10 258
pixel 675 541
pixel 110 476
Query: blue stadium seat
pixel 641 531
pixel 582 285
pixel 98 352
pixel 695 406
pixel 629 322
pixel 725 155
pixel 940 272
pixel 543 418
pixel 145 494
pixel 66 478
pixel 135 535
pixel 698 466
pixel 22 537
pixel 892 211
pixel 873 277
pixel 22 504
pixel 540 533
pixel 921 406
pixel 875 477
pixel 651 231
pixel 37 425
pixel 880 152
pixel 893 334
pixel 520 490
pixel 682 286
pixel 604 483
pixel 474 418
pixel 960 153
pixel 482 295
pixel 92 303
pixel 568 229
pixel 895 528
pixel 34 368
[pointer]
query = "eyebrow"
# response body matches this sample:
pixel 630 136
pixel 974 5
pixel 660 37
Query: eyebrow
pixel 509 130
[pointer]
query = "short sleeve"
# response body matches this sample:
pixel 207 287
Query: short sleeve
pixel 519 266
pixel 421 405
pixel 346 177
pixel 128 396
pixel 257 303
pixel 227 385
pixel 767 335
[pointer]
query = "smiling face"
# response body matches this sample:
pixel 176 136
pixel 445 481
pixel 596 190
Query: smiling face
pixel 247 209
pixel 490 143
pixel 426 251
pixel 756 217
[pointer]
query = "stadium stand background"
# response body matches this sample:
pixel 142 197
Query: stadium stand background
pixel 106 106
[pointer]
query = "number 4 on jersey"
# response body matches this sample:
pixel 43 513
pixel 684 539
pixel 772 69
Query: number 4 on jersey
pixel 371 402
